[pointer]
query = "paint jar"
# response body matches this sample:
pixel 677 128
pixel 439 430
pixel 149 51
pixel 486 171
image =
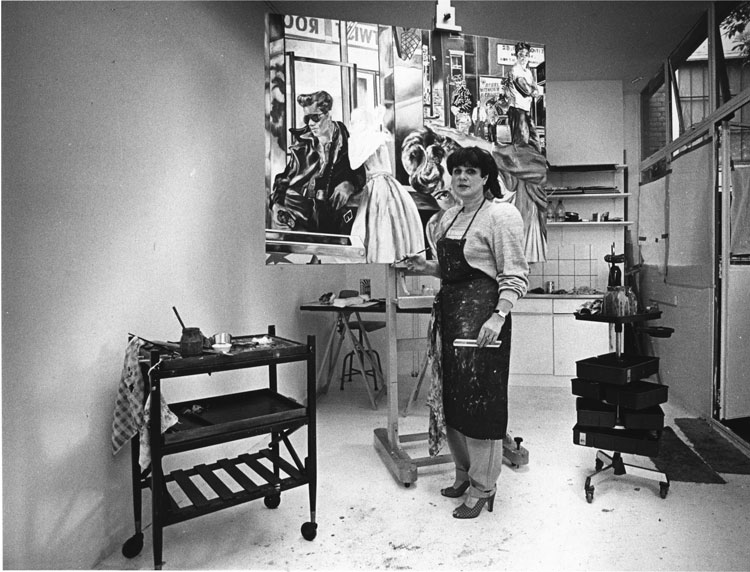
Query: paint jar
pixel 191 342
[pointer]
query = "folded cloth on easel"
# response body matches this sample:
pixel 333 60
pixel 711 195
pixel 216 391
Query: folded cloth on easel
pixel 131 416
pixel 437 435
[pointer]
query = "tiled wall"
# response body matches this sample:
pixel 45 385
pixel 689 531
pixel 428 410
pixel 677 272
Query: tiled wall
pixel 571 266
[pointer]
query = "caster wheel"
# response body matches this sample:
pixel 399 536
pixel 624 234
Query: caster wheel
pixel 407 485
pixel 309 530
pixel 663 490
pixel 133 546
pixel 599 464
pixel 590 495
pixel 272 501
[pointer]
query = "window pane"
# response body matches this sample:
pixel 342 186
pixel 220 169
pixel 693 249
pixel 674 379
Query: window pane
pixel 654 122
pixel 693 90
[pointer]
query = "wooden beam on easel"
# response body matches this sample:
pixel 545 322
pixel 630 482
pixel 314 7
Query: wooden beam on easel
pixel 387 440
pixel 445 16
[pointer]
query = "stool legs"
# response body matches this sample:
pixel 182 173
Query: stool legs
pixel 347 367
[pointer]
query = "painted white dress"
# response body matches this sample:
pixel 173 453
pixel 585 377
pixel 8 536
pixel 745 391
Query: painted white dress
pixel 387 219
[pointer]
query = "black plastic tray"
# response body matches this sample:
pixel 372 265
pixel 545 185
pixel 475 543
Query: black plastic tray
pixel 637 395
pixel 587 388
pixel 593 413
pixel 609 368
pixel 651 418
pixel 634 441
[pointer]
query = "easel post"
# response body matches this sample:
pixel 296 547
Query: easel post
pixel 386 439
pixel 391 302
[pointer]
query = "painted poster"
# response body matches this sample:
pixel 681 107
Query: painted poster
pixel 360 119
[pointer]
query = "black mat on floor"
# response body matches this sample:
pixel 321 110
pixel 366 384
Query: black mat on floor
pixel 740 427
pixel 680 463
pixel 714 448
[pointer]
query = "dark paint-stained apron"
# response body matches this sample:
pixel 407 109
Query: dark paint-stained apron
pixel 475 380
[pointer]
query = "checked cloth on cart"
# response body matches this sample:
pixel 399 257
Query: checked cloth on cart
pixel 131 416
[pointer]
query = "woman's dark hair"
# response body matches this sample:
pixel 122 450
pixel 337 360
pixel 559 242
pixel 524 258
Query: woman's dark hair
pixel 482 160
pixel 322 98
pixel 522 46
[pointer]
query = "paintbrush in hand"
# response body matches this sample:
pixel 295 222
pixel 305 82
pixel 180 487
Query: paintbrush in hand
pixel 405 258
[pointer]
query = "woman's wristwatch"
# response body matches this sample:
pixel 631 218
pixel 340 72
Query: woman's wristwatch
pixel 500 313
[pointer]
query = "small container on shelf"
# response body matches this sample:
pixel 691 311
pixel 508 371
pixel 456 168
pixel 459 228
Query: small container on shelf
pixel 550 212
pixel 560 211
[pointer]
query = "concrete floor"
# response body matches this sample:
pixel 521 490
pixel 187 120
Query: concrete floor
pixel 369 521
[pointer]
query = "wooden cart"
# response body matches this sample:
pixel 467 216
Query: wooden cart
pixel 220 419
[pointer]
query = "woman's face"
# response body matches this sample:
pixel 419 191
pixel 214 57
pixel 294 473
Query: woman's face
pixel 467 182
pixel 523 57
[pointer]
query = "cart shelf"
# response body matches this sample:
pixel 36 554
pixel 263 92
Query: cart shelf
pixel 230 417
pixel 251 472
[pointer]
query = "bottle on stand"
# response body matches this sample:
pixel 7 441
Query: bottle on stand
pixel 550 212
pixel 560 211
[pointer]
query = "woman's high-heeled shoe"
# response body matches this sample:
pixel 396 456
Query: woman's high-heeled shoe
pixel 472 512
pixel 455 492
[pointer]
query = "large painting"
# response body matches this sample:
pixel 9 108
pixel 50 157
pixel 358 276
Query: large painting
pixel 360 119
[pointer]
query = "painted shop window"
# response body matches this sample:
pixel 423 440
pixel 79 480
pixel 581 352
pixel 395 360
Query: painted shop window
pixel 360 119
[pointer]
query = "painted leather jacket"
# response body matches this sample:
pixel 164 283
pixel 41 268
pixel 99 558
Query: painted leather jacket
pixel 302 193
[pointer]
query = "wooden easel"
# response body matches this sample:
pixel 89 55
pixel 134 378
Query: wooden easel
pixel 387 439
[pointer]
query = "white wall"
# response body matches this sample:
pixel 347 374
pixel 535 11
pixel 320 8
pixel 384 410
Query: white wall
pixel 584 122
pixel 132 181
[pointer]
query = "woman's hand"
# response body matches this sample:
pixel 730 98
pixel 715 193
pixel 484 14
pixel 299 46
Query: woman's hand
pixel 490 330
pixel 416 262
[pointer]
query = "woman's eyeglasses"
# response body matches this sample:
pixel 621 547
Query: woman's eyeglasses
pixel 314 117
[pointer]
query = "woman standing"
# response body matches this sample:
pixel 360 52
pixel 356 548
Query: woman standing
pixel 483 271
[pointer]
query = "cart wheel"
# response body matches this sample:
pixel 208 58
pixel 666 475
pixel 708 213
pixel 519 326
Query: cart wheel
pixel 663 490
pixel 133 546
pixel 309 530
pixel 590 495
pixel 272 501
pixel 598 464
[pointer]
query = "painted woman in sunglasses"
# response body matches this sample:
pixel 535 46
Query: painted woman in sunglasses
pixel 317 189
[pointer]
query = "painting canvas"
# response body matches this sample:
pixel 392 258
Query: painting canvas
pixel 360 119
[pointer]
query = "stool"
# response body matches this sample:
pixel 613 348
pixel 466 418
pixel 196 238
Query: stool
pixel 347 368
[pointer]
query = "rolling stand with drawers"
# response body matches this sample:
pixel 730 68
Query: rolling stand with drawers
pixel 617 410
